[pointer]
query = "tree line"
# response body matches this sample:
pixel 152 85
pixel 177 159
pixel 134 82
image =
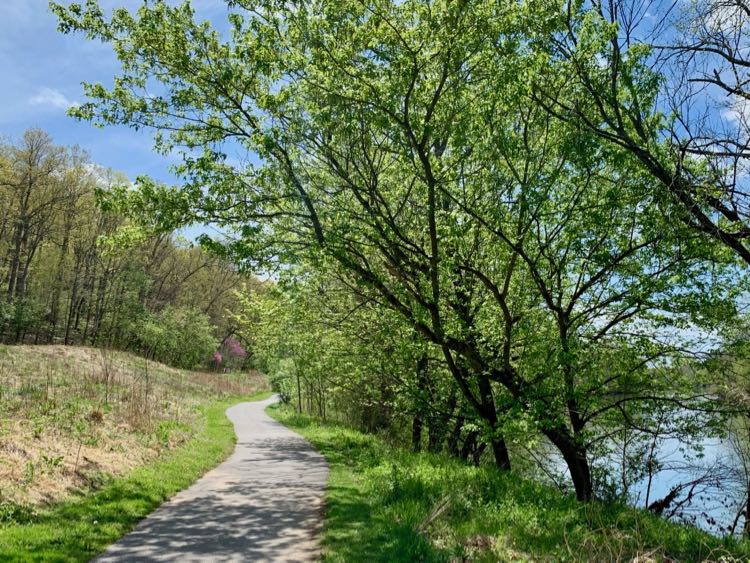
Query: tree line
pixel 494 224
pixel 66 279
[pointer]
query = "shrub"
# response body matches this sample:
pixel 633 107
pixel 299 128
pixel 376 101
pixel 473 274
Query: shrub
pixel 182 337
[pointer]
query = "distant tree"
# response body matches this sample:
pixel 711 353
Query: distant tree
pixel 33 192
pixel 76 272
pixel 180 337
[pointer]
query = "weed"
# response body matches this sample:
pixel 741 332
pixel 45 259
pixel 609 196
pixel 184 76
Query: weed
pixel 387 504
pixel 29 391
pixel 12 513
pixel 29 473
pixel 52 462
pixel 169 431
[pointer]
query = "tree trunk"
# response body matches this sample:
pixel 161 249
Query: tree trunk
pixel 575 458
pixel 438 424
pixel 416 433
pixel 59 282
pixel 299 395
pixel 455 437
pixel 470 443
pixel 477 455
pixel 484 405
pixel 73 299
pixel 422 403
pixel 15 260
pixel 489 413
pixel 500 451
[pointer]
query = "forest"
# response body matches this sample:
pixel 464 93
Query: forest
pixel 73 272
pixel 513 234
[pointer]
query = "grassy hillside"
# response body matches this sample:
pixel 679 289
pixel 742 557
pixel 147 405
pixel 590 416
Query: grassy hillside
pixel 81 526
pixel 73 419
pixel 387 504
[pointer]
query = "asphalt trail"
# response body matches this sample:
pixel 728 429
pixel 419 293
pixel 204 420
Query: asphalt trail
pixel 263 504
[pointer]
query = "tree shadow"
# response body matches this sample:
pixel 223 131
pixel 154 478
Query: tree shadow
pixel 262 504
pixel 358 530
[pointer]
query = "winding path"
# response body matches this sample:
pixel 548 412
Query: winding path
pixel 263 504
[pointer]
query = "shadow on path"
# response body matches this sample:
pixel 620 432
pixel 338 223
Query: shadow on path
pixel 263 504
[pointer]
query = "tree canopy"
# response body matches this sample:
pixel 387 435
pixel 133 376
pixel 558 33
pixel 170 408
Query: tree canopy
pixel 75 272
pixel 480 194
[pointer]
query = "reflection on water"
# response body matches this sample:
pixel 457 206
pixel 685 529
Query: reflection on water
pixel 699 485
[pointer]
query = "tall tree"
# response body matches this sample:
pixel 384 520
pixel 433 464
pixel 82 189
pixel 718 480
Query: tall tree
pixel 394 152
pixel 669 83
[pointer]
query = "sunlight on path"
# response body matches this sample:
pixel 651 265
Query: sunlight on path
pixel 263 504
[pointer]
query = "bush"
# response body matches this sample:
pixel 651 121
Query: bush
pixel 19 316
pixel 231 355
pixel 181 337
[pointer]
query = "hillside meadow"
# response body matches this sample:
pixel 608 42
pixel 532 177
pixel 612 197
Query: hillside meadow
pixel 92 440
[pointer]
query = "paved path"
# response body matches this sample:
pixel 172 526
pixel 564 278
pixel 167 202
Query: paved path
pixel 263 504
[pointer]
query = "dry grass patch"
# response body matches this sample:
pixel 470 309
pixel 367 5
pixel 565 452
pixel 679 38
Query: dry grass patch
pixel 72 418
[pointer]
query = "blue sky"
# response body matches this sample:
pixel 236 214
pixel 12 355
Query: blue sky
pixel 42 71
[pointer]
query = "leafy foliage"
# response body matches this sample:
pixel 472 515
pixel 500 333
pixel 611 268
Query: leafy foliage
pixel 75 271
pixel 474 216
pixel 178 336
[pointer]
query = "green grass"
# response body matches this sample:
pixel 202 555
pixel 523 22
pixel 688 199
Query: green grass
pixel 79 528
pixel 379 498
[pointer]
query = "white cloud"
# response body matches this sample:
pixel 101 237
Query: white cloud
pixel 49 97
pixel 737 111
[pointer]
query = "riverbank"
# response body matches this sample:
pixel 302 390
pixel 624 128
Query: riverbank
pixel 387 504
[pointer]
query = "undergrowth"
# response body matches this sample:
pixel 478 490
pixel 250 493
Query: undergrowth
pixel 388 504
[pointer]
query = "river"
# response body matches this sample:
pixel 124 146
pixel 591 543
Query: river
pixel 709 480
